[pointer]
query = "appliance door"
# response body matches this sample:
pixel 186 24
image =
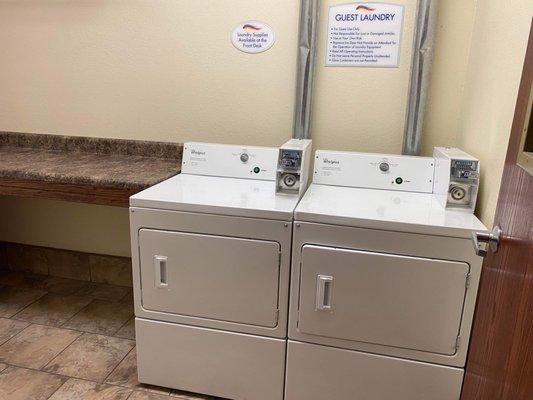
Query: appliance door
pixel 390 300
pixel 323 373
pixel 210 277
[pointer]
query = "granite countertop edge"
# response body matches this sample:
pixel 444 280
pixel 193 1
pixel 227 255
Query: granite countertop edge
pixel 101 163
pixel 84 181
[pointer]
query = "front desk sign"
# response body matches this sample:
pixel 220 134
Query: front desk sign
pixel 364 35
pixel 253 37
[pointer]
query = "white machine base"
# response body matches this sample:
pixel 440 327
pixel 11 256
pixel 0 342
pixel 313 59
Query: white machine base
pixel 225 364
pixel 318 372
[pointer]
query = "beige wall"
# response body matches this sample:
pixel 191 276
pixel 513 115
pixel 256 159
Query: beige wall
pixel 362 109
pixel 165 70
pixel 157 70
pixel 499 43
pixel 451 50
pixel 82 227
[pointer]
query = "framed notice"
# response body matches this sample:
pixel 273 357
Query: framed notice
pixel 364 35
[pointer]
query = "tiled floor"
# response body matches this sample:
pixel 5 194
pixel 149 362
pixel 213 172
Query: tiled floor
pixel 63 339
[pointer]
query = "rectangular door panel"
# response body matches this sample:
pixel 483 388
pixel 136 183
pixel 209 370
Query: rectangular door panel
pixel 224 364
pixel 319 373
pixel 391 300
pixel 210 277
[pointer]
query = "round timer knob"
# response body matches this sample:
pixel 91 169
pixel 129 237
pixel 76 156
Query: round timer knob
pixel 384 166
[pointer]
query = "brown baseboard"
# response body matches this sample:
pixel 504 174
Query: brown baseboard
pixel 89 267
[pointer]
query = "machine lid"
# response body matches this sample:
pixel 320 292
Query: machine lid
pixel 385 210
pixel 217 195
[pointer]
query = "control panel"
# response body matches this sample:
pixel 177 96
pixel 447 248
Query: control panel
pixel 293 167
pixel 456 178
pixel 230 161
pixel 374 171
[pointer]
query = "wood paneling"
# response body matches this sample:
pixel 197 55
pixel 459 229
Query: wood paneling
pixel 500 364
pixel 68 192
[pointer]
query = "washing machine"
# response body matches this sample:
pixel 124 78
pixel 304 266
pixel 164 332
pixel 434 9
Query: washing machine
pixel 211 251
pixel 383 284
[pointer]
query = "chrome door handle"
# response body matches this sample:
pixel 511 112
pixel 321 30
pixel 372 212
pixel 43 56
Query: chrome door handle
pixel 492 239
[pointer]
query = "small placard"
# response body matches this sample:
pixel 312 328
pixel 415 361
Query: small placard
pixel 364 35
pixel 253 37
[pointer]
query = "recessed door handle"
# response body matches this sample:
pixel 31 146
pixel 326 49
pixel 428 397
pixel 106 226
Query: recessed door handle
pixel 160 272
pixel 492 239
pixel 324 293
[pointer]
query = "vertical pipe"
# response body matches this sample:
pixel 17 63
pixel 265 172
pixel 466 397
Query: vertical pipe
pixel 307 43
pixel 422 60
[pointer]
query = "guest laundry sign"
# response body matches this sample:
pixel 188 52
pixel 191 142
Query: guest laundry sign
pixel 253 37
pixel 364 35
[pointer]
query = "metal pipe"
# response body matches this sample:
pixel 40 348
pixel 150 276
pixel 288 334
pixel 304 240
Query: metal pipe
pixel 307 44
pixel 422 60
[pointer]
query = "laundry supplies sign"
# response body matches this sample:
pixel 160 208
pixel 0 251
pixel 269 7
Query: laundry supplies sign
pixel 253 37
pixel 364 35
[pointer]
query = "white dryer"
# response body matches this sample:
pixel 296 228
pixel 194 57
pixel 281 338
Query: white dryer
pixel 211 255
pixel 383 283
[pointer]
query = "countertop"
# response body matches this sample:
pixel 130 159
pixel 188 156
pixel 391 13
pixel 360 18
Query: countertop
pixel 91 162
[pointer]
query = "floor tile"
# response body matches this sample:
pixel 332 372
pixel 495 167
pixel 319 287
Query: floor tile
pixel 180 395
pixel 14 299
pixel 12 278
pixel 125 374
pixel 112 270
pixel 27 258
pixel 75 389
pixel 102 317
pixel 36 346
pixel 148 396
pixel 9 328
pixel 104 291
pixel 22 279
pixel 128 330
pixel 53 309
pixel 128 298
pixel 24 384
pixel 64 286
pixel 91 357
pixel 67 264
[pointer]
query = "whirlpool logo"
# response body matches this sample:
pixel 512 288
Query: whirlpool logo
pixel 330 161
pixel 197 152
